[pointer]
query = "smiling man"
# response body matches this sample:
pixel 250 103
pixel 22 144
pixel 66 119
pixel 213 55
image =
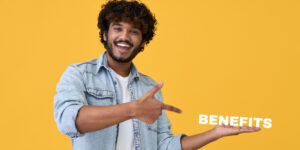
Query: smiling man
pixel 106 104
pixel 128 46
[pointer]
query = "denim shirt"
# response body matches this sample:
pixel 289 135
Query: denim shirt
pixel 92 83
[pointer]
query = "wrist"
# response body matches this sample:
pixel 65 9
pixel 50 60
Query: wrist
pixel 216 134
pixel 132 109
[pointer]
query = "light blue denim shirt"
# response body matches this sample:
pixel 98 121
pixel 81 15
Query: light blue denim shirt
pixel 92 83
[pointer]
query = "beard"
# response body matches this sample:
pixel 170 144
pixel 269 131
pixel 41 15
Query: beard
pixel 135 51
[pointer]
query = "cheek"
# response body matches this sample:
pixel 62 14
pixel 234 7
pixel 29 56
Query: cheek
pixel 138 40
pixel 111 36
pixel 111 42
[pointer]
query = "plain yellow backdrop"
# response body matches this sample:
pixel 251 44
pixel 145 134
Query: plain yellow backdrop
pixel 221 57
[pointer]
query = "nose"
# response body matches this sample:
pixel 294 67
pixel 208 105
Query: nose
pixel 125 36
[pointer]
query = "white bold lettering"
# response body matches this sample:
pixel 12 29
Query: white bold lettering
pixel 213 119
pixel 234 121
pixel 257 121
pixel 267 123
pixel 203 119
pixel 243 120
pixel 223 121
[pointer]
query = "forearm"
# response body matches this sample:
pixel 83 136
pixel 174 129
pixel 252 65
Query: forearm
pixel 93 118
pixel 196 141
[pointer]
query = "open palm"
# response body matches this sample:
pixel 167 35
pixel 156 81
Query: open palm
pixel 223 130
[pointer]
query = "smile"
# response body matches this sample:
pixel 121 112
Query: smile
pixel 123 45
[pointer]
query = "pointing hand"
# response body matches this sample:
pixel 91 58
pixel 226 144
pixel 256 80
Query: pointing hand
pixel 148 109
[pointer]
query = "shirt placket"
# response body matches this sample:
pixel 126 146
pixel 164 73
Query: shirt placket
pixel 135 122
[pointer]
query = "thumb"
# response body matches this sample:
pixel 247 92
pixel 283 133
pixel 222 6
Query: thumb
pixel 155 89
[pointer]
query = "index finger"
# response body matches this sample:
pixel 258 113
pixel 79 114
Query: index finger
pixel 171 108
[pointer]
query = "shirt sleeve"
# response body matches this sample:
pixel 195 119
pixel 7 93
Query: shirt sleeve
pixel 69 99
pixel 166 139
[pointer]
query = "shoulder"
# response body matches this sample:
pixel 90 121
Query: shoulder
pixel 74 75
pixel 87 66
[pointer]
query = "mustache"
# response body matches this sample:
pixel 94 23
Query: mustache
pixel 121 41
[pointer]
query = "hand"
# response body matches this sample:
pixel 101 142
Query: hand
pixel 148 109
pixel 222 130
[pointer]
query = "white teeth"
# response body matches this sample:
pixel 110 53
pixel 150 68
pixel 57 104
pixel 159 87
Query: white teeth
pixel 123 45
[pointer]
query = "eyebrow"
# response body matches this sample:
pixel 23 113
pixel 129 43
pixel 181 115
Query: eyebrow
pixel 118 24
pixel 136 27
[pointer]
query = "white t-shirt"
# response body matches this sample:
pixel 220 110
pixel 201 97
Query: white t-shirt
pixel 125 134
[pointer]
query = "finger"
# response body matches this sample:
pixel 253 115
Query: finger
pixel 222 125
pixel 254 129
pixel 171 108
pixel 249 129
pixel 155 89
pixel 244 128
pixel 229 125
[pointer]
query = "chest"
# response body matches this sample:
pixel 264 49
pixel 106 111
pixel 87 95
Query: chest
pixel 103 89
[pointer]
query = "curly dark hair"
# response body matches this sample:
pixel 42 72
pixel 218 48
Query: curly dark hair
pixel 130 11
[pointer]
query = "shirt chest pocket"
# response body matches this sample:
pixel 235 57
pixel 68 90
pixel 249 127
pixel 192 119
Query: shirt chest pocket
pixel 99 97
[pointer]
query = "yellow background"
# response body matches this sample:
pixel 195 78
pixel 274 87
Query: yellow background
pixel 221 57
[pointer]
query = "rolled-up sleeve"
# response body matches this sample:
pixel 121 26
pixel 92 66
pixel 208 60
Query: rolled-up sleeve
pixel 69 99
pixel 166 139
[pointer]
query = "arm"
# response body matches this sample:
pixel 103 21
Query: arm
pixel 196 141
pixel 93 118
pixel 74 116
pixel 146 108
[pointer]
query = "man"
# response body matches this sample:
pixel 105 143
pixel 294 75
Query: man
pixel 106 104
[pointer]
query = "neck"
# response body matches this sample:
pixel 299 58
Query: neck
pixel 123 69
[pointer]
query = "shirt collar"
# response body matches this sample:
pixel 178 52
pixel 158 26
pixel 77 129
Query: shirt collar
pixel 102 63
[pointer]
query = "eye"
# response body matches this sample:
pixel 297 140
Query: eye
pixel 117 29
pixel 134 32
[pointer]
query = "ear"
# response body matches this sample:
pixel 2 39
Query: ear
pixel 104 36
pixel 143 44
